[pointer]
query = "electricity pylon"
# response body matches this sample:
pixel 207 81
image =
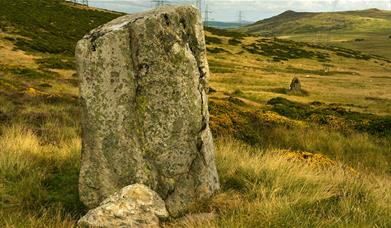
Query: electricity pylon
pixel 199 4
pixel 240 18
pixel 159 2
pixel 207 12
pixel 83 2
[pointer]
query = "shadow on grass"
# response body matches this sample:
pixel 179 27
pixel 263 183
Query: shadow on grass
pixel 301 93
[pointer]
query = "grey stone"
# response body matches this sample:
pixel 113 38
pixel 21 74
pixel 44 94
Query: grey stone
pixel 133 206
pixel 295 85
pixel 143 84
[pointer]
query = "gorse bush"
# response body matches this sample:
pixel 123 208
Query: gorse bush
pixel 333 115
pixel 212 40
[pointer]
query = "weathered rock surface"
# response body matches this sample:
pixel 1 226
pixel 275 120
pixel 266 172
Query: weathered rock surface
pixel 134 206
pixel 143 84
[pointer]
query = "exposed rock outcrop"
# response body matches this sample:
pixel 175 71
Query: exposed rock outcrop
pixel 134 206
pixel 143 84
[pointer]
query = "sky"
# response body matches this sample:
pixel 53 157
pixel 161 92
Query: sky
pixel 251 10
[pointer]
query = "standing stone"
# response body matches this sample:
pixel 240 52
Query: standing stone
pixel 143 84
pixel 295 85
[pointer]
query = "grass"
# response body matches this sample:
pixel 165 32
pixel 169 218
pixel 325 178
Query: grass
pixel 49 26
pixel 282 50
pixel 39 180
pixel 266 190
pixel 327 114
pixel 259 187
pixel 264 68
pixel 212 40
pixel 324 133
pixel 57 62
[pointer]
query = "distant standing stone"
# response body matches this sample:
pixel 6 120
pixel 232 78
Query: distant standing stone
pixel 295 85
pixel 133 206
pixel 145 119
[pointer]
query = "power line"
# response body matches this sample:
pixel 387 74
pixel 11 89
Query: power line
pixel 159 2
pixel 172 2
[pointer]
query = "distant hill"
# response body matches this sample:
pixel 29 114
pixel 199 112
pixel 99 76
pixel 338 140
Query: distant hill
pixel 225 25
pixel 364 30
pixel 291 22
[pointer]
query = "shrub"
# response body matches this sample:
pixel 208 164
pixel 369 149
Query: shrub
pixel 234 41
pixel 57 63
pixel 212 40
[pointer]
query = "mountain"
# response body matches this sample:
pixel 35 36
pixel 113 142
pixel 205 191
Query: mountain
pixel 225 25
pixel 364 30
pixel 291 22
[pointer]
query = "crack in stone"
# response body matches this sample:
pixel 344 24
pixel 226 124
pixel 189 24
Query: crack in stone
pixel 201 90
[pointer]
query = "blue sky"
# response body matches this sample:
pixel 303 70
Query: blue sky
pixel 252 10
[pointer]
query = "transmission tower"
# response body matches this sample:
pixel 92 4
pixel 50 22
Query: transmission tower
pixel 207 12
pixel 198 4
pixel 327 37
pixel 159 2
pixel 83 2
pixel 240 18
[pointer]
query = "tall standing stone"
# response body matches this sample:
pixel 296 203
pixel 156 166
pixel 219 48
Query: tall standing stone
pixel 143 84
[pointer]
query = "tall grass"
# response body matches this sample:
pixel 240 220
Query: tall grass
pixel 363 151
pixel 264 189
pixel 38 181
pixel 260 188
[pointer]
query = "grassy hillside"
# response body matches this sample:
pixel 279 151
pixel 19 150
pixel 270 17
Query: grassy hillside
pixel 367 30
pixel 48 26
pixel 320 157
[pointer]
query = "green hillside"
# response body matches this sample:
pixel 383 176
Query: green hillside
pixel 49 26
pixel 366 30
pixel 318 157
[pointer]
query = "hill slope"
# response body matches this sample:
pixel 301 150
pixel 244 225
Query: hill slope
pixel 49 26
pixel 366 30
